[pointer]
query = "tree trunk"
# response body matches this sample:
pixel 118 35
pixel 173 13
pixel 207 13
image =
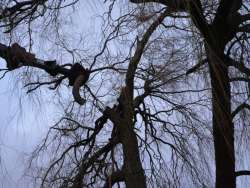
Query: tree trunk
pixel 223 130
pixel 133 171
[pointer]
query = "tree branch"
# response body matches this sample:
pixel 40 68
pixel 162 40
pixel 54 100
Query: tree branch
pixel 85 165
pixel 140 49
pixel 117 176
pixel 242 173
pixel 244 28
pixel 239 79
pixel 238 65
pixel 226 8
pixel 245 17
pixel 239 108
pixel 17 57
pixel 177 5
pixel 196 67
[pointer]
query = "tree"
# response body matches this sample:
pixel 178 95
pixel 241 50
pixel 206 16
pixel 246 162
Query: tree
pixel 217 35
pixel 225 25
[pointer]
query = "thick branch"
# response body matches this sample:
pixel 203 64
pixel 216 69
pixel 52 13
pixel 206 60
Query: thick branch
pixel 226 8
pixel 177 5
pixel 22 58
pixel 80 80
pixel 16 57
pixel 139 51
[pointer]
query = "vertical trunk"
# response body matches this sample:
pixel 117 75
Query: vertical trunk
pixel 223 130
pixel 134 173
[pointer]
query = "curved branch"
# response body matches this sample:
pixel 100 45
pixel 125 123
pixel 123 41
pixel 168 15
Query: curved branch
pixel 16 57
pixel 76 89
pixel 239 108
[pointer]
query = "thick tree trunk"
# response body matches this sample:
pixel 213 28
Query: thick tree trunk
pixel 133 171
pixel 223 130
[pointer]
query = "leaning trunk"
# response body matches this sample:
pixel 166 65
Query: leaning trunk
pixel 223 130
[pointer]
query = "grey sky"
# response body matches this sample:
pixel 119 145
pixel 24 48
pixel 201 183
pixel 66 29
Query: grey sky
pixel 22 128
pixel 25 122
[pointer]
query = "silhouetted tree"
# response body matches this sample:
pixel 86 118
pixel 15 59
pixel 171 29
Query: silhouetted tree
pixel 158 107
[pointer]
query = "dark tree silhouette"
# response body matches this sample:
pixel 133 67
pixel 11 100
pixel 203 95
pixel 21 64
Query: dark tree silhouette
pixel 221 27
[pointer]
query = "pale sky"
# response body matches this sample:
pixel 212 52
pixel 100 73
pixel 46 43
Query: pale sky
pixel 23 122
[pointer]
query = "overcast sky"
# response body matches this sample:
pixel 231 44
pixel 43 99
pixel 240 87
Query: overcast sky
pixel 23 122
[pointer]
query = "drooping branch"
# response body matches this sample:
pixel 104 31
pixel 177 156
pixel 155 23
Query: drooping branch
pixel 80 80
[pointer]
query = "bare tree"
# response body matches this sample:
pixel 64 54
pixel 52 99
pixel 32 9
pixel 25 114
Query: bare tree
pixel 151 113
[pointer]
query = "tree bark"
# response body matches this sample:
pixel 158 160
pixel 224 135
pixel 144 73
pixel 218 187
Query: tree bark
pixel 133 171
pixel 223 130
pixel 122 117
